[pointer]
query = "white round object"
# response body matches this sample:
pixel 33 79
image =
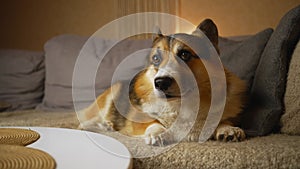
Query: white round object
pixel 81 149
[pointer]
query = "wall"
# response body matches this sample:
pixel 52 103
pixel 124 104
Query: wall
pixel 238 17
pixel 28 24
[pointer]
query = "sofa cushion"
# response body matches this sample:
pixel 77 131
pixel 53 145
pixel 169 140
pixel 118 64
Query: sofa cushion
pixel 290 120
pixel 61 54
pixel 266 106
pixel 21 79
pixel 274 151
pixel 4 105
pixel 242 56
pixel 60 57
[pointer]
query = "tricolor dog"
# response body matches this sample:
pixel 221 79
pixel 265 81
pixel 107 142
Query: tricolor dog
pixel 153 100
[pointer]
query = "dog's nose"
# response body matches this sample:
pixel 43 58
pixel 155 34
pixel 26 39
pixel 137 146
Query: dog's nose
pixel 163 83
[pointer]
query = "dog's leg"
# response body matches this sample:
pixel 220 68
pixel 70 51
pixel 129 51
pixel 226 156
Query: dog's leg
pixel 227 132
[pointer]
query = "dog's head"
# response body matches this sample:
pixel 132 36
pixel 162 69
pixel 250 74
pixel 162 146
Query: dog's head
pixel 174 68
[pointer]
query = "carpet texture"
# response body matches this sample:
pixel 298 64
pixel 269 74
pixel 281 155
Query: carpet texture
pixel 273 151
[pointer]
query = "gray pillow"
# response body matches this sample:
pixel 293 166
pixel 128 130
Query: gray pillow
pixel 61 53
pixel 22 76
pixel 266 106
pixel 60 56
pixel 242 56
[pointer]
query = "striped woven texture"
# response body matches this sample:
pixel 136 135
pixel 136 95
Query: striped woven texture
pixel 14 154
pixel 15 136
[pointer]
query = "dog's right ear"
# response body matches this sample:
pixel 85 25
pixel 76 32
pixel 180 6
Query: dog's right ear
pixel 157 33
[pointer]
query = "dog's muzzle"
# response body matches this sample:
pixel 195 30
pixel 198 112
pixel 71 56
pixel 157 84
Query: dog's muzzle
pixel 163 83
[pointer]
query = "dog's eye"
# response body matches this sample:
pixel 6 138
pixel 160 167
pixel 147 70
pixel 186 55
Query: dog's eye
pixel 156 59
pixel 184 55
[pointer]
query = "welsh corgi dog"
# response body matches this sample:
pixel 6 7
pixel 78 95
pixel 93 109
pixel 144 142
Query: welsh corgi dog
pixel 151 101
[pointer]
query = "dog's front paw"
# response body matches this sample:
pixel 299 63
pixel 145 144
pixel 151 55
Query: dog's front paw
pixel 229 133
pixel 153 135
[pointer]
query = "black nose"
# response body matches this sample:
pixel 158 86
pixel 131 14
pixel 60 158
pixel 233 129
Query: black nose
pixel 163 83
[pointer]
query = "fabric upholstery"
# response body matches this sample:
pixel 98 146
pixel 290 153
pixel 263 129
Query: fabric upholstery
pixel 274 151
pixel 22 76
pixel 290 120
pixel 242 56
pixel 266 105
pixel 61 55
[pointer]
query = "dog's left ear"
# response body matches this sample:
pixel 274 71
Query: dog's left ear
pixel 209 28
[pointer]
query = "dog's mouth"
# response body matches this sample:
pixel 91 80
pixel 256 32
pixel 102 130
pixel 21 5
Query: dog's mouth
pixel 172 96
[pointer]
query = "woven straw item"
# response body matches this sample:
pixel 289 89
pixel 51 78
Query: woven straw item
pixel 14 156
pixel 16 136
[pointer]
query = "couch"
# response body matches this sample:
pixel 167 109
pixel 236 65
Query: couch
pixel 36 90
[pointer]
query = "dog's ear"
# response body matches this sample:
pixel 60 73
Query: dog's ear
pixel 157 33
pixel 209 28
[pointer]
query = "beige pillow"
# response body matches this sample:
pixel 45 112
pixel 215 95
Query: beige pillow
pixel 290 120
